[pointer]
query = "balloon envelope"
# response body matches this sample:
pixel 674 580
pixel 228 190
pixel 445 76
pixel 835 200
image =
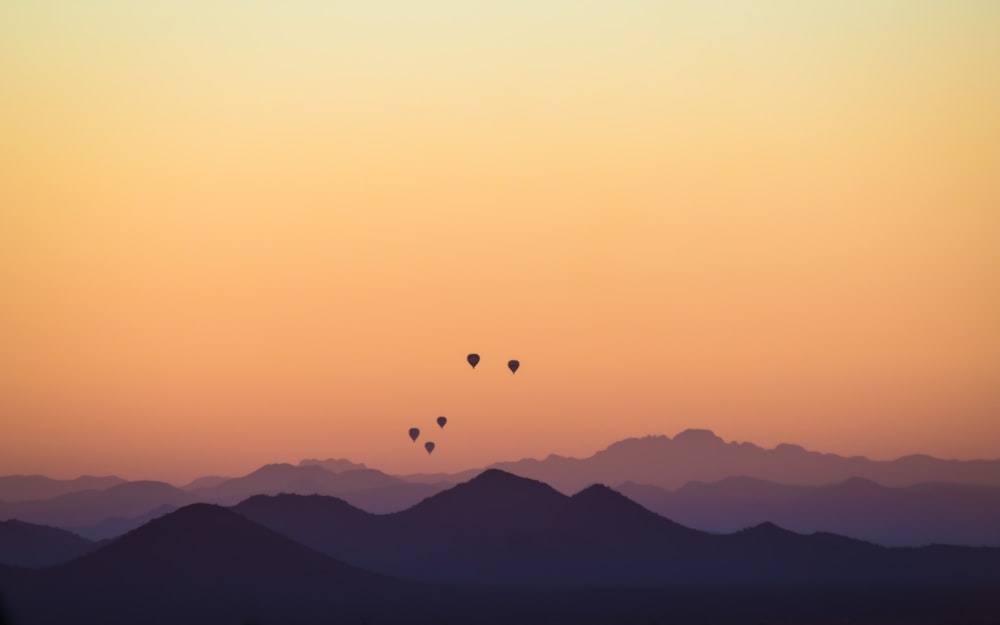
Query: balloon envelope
pixel 513 365
pixel 414 433
pixel 442 421
pixel 473 359
pixel 429 446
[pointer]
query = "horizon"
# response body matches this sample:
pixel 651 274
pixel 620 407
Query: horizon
pixel 178 482
pixel 233 233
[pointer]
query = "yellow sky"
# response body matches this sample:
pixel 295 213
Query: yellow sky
pixel 242 232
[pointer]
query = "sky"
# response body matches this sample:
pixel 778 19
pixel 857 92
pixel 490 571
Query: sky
pixel 234 233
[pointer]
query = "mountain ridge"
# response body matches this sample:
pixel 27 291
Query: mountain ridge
pixel 551 558
pixel 701 455
pixel 921 514
pixel 499 528
pixel 202 563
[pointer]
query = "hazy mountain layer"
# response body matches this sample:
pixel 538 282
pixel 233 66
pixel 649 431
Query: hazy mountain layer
pixel 514 550
pixel 924 514
pixel 700 455
pixel 30 487
pixel 504 529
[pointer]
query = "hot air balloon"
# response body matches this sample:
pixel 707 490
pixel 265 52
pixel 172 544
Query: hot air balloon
pixel 513 365
pixel 414 433
pixel 473 359
pixel 429 446
pixel 442 421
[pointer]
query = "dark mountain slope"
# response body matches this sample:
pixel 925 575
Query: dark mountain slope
pixel 34 487
pixel 499 528
pixel 29 545
pixel 202 563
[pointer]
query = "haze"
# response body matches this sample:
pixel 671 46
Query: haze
pixel 236 233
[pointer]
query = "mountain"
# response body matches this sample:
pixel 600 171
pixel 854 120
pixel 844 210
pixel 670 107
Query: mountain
pixel 503 529
pixel 894 516
pixel 29 545
pixel 101 514
pixel 207 481
pixel 333 465
pixel 116 526
pixel 286 478
pixel 203 563
pixel 701 456
pixel 514 549
pixel 89 507
pixel 392 498
pixel 495 528
pixel 33 487
pixel 492 497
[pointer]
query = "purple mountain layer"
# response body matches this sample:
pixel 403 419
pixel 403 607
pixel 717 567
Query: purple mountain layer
pixel 28 487
pixel 701 456
pixel 956 514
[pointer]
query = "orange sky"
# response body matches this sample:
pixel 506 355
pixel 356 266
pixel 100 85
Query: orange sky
pixel 235 234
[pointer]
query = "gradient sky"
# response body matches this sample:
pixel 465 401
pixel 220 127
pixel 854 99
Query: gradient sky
pixel 243 232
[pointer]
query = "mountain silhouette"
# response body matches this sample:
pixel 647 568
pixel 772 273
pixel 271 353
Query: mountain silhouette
pixel 33 487
pixel 207 481
pixel 29 545
pixel 116 526
pixel 307 479
pixel 700 455
pixel 318 521
pixel 479 531
pixel 89 507
pixel 394 497
pixel 502 529
pixel 513 550
pixel 203 563
pixel 112 511
pixel 334 465
pixel 695 478
pixel 892 516
pixel 493 496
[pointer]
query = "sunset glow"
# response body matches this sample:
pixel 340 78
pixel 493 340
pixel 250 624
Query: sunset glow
pixel 237 233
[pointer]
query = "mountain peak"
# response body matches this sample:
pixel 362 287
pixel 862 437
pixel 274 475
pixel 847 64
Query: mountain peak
pixel 494 494
pixel 499 482
pixel 599 504
pixel 599 496
pixel 789 448
pixel 697 437
pixel 199 532
pixel 273 467
pixel 766 530
pixel 498 476
pixel 334 465
pixel 303 505
pixel 201 513
pixel 205 560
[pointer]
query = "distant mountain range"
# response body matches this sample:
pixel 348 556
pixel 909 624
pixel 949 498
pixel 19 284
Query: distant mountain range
pixel 112 511
pixel 376 491
pixel 498 548
pixel 894 516
pixel 503 529
pixel 31 487
pixel 88 507
pixel 701 456
pixel 694 478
